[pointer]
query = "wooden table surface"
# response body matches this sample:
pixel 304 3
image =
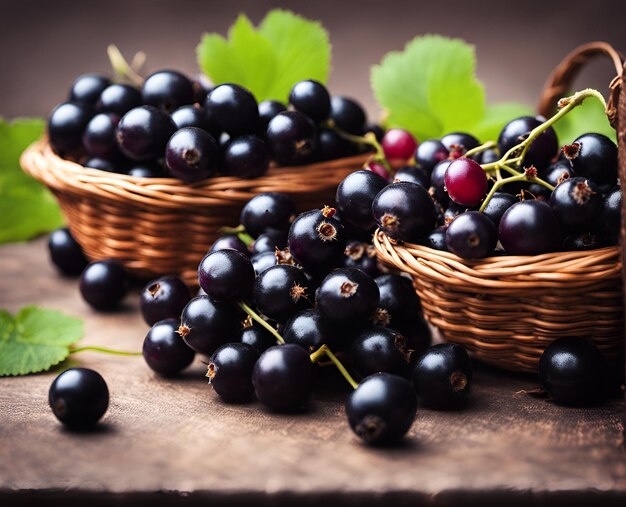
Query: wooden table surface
pixel 172 442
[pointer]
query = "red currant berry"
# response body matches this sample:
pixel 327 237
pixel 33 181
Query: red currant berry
pixel 466 182
pixel 398 144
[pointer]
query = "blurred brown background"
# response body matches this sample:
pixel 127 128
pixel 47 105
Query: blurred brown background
pixel 46 44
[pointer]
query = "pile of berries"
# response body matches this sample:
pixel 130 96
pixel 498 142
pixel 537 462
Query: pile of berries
pixel 174 126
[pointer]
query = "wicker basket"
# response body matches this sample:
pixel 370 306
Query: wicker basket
pixel 159 226
pixel 507 309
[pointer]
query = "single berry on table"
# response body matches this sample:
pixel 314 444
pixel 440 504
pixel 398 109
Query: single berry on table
pixel 79 397
pixel 65 252
pixel 163 298
pixel 164 350
pixel 103 284
pixel 230 371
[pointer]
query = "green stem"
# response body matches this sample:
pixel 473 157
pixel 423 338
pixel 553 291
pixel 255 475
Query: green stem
pixel 486 146
pixel 104 350
pixel 256 317
pixel 121 67
pixel 369 138
pixel 246 238
pixel 324 350
pixel 240 232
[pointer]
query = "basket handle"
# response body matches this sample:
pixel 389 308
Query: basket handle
pixel 560 81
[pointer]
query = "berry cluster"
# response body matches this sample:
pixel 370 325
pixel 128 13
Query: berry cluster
pixel 174 126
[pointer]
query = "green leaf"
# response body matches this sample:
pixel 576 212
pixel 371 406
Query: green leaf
pixel 35 339
pixel 284 49
pixel 430 88
pixel 496 117
pixel 587 117
pixel 27 208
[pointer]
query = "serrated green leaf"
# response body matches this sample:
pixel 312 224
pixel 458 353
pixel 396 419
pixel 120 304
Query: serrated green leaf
pixel 35 339
pixel 430 88
pixel 27 208
pixel 587 117
pixel 285 48
pixel 497 116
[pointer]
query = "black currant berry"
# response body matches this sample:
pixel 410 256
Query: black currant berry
pixel 143 132
pixel 436 240
pixel 362 256
pixel 283 377
pixel 87 88
pixel 118 99
pixel 348 295
pixel 497 205
pixel 280 291
pixel 404 211
pixel 379 349
pixel 226 275
pixel 206 325
pixel 79 397
pixel 354 197
pixel 164 350
pixel 230 371
pixel 101 164
pixel 194 116
pixel 307 329
pixel 317 239
pixel 257 337
pixel 348 115
pixel 399 302
pixel 557 172
pixel 104 284
pixel 311 98
pixel 65 252
pixel 429 153
pixel 437 184
pixel 382 409
pixel 573 372
pixel 263 261
pixel 269 241
pixel 471 235
pixel 267 110
pixel 529 228
pixel 413 174
pixel 271 210
pixel 578 204
pixel 585 241
pixel 245 157
pixel 66 126
pixel 418 336
pixel 167 90
pixel 147 170
pixel 292 138
pixel 331 145
pixel 99 137
pixel 542 150
pixel 611 215
pixel 232 109
pixel 442 377
pixel 375 129
pixel 488 156
pixel 593 156
pixel 163 298
pixel 459 142
pixel 230 241
pixel 191 154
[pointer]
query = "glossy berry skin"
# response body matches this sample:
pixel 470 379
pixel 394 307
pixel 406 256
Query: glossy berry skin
pixel 143 132
pixel 381 409
pixel 466 182
pixel 230 241
pixel 375 129
pixel 206 325
pixel 413 174
pixel 99 137
pixel 497 205
pixel 283 377
pixel 167 90
pixel 486 156
pixel 380 349
pixel 79 397
pixel 164 350
pixel 292 138
pixel 65 252
pixel 103 284
pixel 258 338
pixel 269 241
pixel 307 329
pixel 398 144
pixel 578 204
pixel 348 295
pixel 541 151
pixel 442 377
pixel 311 98
pixel 557 172
pixel 87 88
pixel 471 235
pixel 430 153
pixel 118 99
pixel 404 211
pixel 163 298
pixel 611 214
pixel 399 300
pixel 270 210
pixel 245 157
pixel 585 241
pixel 437 182
pixel 230 371
pixel 593 156
pixel 101 164
pixel 193 116
pixel 436 239
pixel 362 256
pixel 529 228
pixel 331 145
pixel 354 198
pixel 263 261
pixel 147 170
pixel 226 275
pixel 66 126
pixel 316 239
pixel 191 154
pixel 348 115
pixel 460 140
pixel 233 109
pixel 280 291
pixel 267 110
pixel 573 372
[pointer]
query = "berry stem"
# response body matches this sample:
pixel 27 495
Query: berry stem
pixel 369 138
pixel 485 146
pixel 324 350
pixel 256 317
pixel 240 232
pixel 104 350
pixel 122 69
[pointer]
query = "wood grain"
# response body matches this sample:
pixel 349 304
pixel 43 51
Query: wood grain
pixel 172 442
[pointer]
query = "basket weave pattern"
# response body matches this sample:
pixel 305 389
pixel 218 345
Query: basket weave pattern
pixel 158 226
